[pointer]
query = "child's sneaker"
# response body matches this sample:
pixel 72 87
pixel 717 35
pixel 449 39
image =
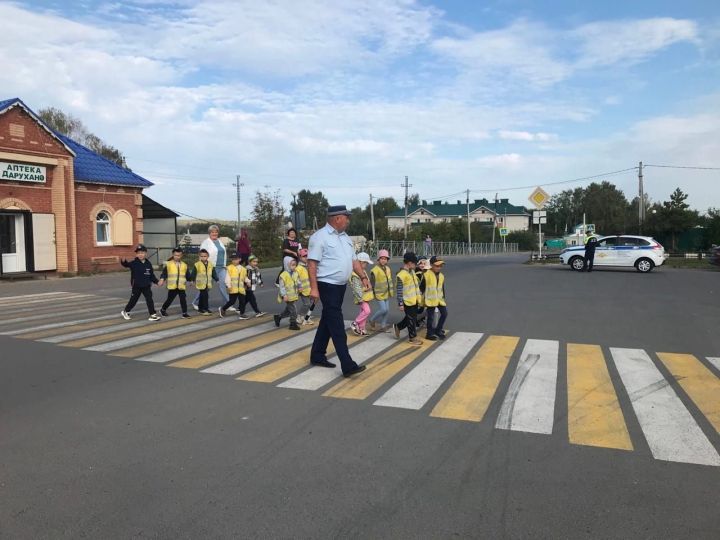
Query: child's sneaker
pixel 396 331
pixel 363 332
pixel 372 326
pixel 276 318
pixel 355 329
pixel 125 315
pixel 243 317
pixel 186 316
pixel 260 314
pixel 432 338
pixel 308 322
pixel 221 311
pixel 206 313
pixel 163 313
pixel 415 341
pixel 232 308
pixel 154 317
pixel 293 326
pixel 196 307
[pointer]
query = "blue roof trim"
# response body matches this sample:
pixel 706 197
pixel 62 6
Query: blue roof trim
pixel 89 167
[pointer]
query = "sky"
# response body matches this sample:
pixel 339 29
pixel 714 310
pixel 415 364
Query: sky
pixel 350 96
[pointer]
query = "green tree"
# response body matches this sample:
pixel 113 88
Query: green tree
pixel 267 215
pixel 73 127
pixel 313 203
pixel 677 217
pixel 712 227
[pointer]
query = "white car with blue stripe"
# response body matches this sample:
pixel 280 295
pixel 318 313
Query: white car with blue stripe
pixel 642 252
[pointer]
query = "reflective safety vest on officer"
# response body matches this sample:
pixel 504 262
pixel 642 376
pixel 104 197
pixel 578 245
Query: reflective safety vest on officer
pixel 410 288
pixel 383 278
pixel 203 275
pixel 304 278
pixel 434 289
pixel 290 283
pixel 236 277
pixel 176 277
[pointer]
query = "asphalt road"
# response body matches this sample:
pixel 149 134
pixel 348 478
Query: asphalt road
pixel 100 446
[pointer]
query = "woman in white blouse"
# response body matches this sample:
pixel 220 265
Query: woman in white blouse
pixel 218 257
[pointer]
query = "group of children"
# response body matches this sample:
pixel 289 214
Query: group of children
pixel 241 282
pixel 419 288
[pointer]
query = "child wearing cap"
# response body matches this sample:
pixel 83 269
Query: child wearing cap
pixel 203 274
pixel 422 266
pixel 408 298
pixel 175 274
pixel 289 283
pixel 381 279
pixel 255 277
pixel 235 280
pixel 304 291
pixel 361 296
pixel 433 287
pixel 142 276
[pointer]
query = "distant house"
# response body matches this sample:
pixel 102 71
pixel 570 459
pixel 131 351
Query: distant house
pixel 515 218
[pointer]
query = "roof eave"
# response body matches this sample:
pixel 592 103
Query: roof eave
pixel 19 102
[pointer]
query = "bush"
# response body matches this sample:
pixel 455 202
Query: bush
pixel 526 240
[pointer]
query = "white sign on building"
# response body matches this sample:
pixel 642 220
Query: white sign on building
pixel 20 172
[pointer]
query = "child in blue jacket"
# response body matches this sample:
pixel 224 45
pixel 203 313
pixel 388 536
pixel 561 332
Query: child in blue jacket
pixel 142 277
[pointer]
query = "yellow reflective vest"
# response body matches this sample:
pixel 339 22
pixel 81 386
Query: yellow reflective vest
pixel 304 276
pixel 434 289
pixel 383 278
pixel 237 275
pixel 176 278
pixel 203 275
pixel 290 282
pixel 411 290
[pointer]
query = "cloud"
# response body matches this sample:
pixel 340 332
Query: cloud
pixel 526 136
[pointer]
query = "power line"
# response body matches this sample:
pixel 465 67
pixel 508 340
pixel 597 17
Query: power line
pixel 685 167
pixel 574 180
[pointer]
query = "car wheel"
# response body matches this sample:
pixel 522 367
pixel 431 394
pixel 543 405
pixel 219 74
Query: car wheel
pixel 577 263
pixel 644 265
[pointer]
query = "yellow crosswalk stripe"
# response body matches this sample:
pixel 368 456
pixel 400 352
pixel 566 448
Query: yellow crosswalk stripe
pixel 41 334
pixel 136 351
pixel 288 365
pixel 699 383
pixel 112 336
pixel 594 414
pixel 469 396
pixel 379 371
pixel 236 349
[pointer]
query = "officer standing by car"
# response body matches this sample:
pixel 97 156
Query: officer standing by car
pixel 590 245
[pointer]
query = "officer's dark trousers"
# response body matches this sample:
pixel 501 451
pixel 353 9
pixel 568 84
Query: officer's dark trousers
pixel 172 293
pixel 147 293
pixel 410 321
pixel 589 259
pixel 332 326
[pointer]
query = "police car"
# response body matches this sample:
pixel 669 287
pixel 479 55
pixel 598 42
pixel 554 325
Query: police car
pixel 642 252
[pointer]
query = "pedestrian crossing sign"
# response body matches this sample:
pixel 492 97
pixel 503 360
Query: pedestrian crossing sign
pixel 503 231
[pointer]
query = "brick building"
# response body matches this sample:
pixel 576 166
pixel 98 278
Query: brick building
pixel 63 207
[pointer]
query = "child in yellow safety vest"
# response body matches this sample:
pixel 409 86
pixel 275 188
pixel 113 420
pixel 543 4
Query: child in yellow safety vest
pixel 408 298
pixel 422 266
pixel 433 288
pixel 304 291
pixel 362 297
pixel 175 275
pixel 235 280
pixel 381 279
pixel 288 284
pixel 203 274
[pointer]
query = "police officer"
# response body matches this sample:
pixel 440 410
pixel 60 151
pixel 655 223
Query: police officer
pixel 590 245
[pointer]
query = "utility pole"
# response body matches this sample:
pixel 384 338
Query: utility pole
pixel 467 202
pixel 372 218
pixel 295 212
pixel 406 186
pixel 494 219
pixel 641 200
pixel 238 185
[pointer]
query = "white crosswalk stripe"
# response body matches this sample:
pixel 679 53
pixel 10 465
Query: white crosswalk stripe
pixel 418 386
pixel 177 353
pixel 121 325
pixel 51 326
pixel 154 336
pixel 316 377
pixel 72 306
pixel 255 358
pixel 6 299
pixel 670 429
pixel 530 401
pixel 25 302
pixel 99 308
pixel 714 361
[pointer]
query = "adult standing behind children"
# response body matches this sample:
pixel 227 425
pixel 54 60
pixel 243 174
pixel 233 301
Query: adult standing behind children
pixel 243 246
pixel 291 245
pixel 217 255
pixel 331 260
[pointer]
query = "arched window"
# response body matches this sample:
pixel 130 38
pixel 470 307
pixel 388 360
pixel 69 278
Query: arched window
pixel 102 229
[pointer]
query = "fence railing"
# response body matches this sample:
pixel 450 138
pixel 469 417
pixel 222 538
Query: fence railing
pixel 446 249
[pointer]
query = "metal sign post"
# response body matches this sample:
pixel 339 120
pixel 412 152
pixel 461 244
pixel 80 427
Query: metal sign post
pixel 539 197
pixel 539 217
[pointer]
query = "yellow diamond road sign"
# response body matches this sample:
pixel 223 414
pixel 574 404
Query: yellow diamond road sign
pixel 539 197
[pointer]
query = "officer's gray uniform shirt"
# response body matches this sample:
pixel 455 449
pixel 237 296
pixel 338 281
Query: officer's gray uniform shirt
pixel 334 253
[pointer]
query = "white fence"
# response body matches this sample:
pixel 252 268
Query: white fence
pixel 446 249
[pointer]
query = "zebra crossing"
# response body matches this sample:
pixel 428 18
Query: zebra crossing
pixel 511 382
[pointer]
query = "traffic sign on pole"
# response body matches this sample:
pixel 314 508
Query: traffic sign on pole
pixel 539 197
pixel 503 231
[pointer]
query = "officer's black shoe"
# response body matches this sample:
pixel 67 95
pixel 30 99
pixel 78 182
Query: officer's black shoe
pixel 353 371
pixel 322 363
